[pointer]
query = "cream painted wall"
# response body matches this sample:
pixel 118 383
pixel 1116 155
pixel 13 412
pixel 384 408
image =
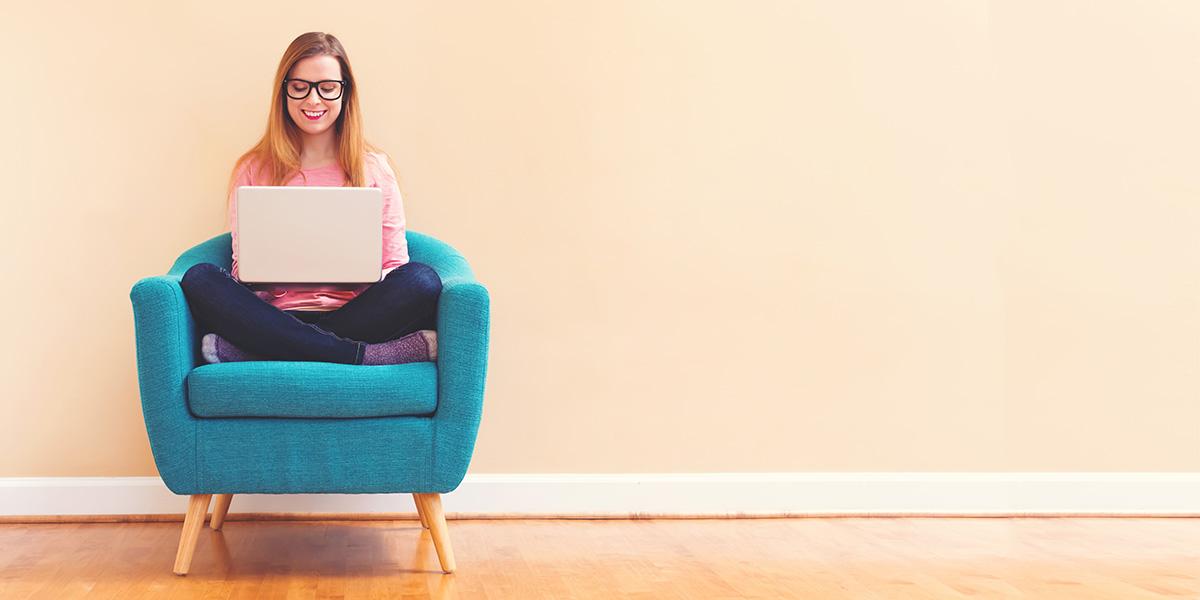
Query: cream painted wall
pixel 719 236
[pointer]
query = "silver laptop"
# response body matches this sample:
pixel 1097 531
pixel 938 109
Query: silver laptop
pixel 309 234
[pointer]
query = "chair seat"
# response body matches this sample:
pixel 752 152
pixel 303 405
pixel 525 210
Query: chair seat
pixel 291 389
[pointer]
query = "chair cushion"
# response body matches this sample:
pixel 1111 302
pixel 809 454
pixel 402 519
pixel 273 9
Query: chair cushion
pixel 272 388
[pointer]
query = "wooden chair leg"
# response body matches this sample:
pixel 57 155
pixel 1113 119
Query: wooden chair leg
pixel 193 522
pixel 420 510
pixel 220 509
pixel 437 528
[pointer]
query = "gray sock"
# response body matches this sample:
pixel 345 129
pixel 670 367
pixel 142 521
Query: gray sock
pixel 417 346
pixel 217 349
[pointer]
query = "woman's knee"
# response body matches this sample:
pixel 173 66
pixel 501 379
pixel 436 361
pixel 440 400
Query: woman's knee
pixel 200 270
pixel 418 275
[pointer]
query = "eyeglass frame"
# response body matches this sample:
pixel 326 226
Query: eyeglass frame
pixel 315 85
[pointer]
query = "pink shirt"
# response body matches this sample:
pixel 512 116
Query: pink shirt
pixel 304 296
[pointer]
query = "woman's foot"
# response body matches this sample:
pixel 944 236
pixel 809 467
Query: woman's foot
pixel 418 346
pixel 217 349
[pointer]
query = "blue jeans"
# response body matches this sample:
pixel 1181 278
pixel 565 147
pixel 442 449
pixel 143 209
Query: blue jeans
pixel 403 302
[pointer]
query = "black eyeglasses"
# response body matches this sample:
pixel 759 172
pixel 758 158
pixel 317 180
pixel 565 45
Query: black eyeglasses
pixel 329 89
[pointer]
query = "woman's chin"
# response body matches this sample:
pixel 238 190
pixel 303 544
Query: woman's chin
pixel 313 130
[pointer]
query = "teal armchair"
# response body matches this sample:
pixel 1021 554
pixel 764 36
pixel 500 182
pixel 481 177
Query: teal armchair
pixel 282 427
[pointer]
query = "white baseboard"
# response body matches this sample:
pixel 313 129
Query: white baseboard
pixel 652 494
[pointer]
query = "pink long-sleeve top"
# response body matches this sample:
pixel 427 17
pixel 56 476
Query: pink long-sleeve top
pixel 304 296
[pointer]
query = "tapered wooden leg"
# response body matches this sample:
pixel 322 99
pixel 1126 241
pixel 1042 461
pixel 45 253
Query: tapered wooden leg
pixel 220 509
pixel 437 528
pixel 193 522
pixel 420 510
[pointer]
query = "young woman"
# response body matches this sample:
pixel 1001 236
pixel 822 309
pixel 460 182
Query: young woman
pixel 314 137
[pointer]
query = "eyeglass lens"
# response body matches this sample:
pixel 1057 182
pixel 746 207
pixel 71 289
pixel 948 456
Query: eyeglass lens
pixel 329 90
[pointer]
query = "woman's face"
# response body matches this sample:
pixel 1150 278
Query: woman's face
pixel 314 68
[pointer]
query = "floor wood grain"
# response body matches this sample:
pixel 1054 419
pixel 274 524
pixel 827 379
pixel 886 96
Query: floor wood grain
pixel 886 558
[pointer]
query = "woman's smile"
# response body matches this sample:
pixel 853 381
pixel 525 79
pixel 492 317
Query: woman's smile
pixel 313 115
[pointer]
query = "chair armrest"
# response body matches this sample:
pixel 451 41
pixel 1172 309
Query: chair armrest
pixel 463 323
pixel 165 335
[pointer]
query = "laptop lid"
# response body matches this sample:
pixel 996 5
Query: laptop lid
pixel 309 234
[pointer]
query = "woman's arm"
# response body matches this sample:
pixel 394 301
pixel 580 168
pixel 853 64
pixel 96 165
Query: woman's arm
pixel 243 178
pixel 395 244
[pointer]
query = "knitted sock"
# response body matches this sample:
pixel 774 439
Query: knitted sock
pixel 417 346
pixel 217 349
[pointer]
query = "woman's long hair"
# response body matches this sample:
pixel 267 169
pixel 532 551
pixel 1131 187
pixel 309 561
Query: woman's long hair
pixel 277 154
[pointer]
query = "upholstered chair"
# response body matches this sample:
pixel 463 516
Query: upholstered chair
pixel 284 427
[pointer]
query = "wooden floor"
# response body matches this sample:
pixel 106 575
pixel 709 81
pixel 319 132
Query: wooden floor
pixel 1075 558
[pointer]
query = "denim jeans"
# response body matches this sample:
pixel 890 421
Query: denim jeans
pixel 403 302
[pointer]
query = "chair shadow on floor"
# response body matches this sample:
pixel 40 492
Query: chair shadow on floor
pixel 248 550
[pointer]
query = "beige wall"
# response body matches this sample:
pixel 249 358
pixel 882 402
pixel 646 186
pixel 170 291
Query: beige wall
pixel 719 236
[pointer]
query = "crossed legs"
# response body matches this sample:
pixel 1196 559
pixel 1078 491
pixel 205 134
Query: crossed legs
pixel 403 302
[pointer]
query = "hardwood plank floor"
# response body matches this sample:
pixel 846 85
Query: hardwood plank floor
pixel 887 558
